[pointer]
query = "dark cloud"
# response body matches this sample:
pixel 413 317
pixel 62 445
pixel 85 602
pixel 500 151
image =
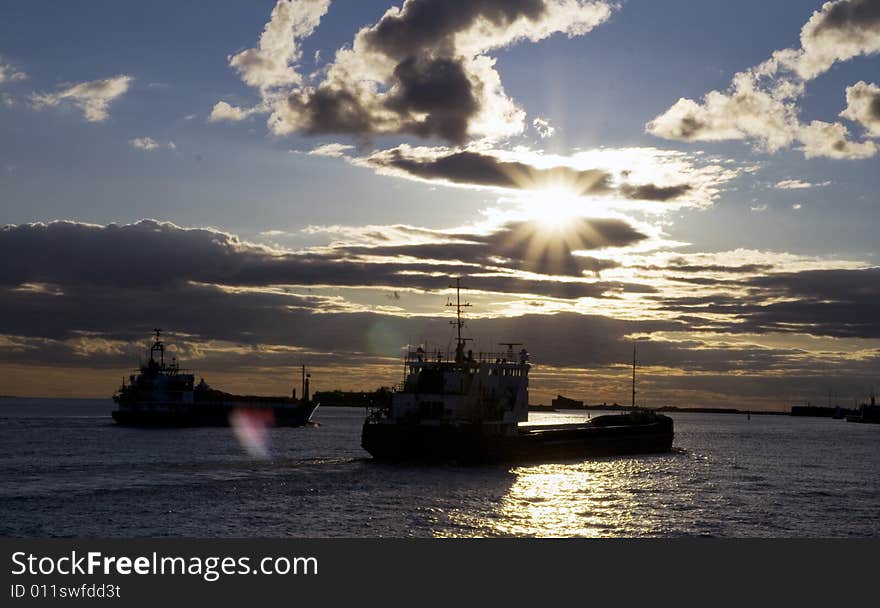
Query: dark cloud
pixel 684 265
pixel 111 285
pixel 422 70
pixel 487 170
pixel 484 169
pixel 838 303
pixel 156 254
pixel 432 92
pixel 429 25
pixel 101 321
pixel 523 246
pixel 440 90
pixel 53 331
pixel 653 192
pixel 332 110
pixel 849 15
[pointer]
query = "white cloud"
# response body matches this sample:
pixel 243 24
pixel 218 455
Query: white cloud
pixel 745 112
pixel 833 141
pixel 796 184
pixel 335 150
pixel 863 106
pixel 271 66
pixel 224 112
pixel 92 97
pixel 760 105
pixel 8 73
pixel 839 31
pixel 149 144
pixel 543 127
pixel 273 62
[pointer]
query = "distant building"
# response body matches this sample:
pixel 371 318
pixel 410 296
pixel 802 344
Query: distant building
pixel 564 403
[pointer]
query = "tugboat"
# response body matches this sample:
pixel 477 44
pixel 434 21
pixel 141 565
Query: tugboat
pixel 162 394
pixel 469 409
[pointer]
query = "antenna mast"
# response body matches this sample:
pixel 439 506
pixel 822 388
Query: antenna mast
pixel 459 322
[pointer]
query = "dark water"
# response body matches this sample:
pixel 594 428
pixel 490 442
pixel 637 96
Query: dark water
pixel 66 470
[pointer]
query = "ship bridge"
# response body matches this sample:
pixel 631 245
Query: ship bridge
pixel 483 387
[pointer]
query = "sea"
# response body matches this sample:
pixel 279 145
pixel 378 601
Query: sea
pixel 66 470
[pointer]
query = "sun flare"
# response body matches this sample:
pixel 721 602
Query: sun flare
pixel 554 208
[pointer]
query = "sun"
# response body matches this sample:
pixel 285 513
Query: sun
pixel 553 209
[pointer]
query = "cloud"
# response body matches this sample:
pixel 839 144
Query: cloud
pixel 150 253
pixel 149 144
pixel 224 112
pixel 824 302
pixel 273 62
pixel 863 106
pixel 832 140
pixel 422 69
pixel 521 245
pixel 482 169
pixel 761 104
pixel 838 31
pixel 8 73
pixel 334 150
pixel 496 169
pixel 543 127
pixel 797 184
pixel 93 97
pixel 76 295
pixel 653 192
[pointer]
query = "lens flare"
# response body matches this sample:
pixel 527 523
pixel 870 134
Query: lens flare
pixel 251 428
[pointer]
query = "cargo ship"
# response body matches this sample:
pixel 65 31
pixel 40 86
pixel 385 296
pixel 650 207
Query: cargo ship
pixel 161 394
pixel 471 408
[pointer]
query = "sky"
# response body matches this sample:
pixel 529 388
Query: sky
pixel 277 184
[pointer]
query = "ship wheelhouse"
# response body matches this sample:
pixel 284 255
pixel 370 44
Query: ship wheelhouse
pixel 157 382
pixel 486 388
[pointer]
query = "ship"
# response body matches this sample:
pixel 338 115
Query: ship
pixel 473 408
pixel 162 394
pixel 868 413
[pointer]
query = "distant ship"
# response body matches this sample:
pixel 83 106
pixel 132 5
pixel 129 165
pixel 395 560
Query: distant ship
pixel 469 409
pixel 867 412
pixel 161 394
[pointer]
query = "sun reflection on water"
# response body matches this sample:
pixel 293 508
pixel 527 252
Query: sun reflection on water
pixel 598 498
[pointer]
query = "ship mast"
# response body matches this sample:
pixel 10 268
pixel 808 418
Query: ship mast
pixel 459 322
pixel 634 378
pixel 158 346
pixel 305 383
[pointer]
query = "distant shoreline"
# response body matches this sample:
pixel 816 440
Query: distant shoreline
pixel 532 408
pixel 665 408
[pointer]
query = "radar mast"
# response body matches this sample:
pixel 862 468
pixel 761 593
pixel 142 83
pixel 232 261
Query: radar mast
pixel 459 322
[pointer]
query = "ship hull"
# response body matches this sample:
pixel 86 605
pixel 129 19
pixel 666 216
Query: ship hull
pixel 474 444
pixel 155 415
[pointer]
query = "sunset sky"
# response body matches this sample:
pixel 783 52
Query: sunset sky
pixel 296 183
